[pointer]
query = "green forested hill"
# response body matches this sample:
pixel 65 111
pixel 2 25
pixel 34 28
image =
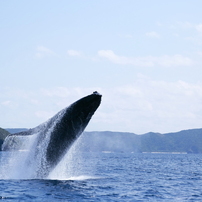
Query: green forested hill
pixel 189 141
pixel 3 134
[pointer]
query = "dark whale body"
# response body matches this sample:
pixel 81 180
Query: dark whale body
pixel 55 136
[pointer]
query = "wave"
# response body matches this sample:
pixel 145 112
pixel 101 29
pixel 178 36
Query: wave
pixel 78 178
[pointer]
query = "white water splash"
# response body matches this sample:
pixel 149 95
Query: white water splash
pixel 14 164
pixel 24 164
pixel 71 165
pixel 30 162
pixel 83 177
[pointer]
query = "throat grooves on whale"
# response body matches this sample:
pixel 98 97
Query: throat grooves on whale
pixel 41 149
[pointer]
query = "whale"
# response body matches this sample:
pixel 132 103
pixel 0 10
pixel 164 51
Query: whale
pixel 55 137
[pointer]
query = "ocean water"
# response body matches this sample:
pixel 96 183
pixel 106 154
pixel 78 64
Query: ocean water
pixel 107 177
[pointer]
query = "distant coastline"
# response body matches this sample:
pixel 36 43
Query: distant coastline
pixel 182 142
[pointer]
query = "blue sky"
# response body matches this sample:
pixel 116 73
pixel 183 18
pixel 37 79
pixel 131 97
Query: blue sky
pixel 144 57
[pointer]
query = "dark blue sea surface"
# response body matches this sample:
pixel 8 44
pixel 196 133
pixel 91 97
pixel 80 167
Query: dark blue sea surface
pixel 111 177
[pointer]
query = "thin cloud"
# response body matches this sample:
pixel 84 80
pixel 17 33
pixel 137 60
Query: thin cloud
pixel 147 61
pixel 7 103
pixel 152 34
pixel 199 53
pixel 42 51
pixel 184 25
pixel 129 36
pixel 73 53
pixel 199 28
pixel 190 26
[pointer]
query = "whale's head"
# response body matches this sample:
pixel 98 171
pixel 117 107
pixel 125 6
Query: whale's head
pixel 83 109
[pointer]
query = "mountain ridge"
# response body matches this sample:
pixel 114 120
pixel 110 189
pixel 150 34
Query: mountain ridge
pixel 184 141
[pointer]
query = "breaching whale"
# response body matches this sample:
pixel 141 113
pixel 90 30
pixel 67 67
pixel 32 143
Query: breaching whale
pixel 55 137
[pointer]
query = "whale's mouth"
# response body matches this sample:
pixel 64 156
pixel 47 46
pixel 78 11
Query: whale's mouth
pixel 96 93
